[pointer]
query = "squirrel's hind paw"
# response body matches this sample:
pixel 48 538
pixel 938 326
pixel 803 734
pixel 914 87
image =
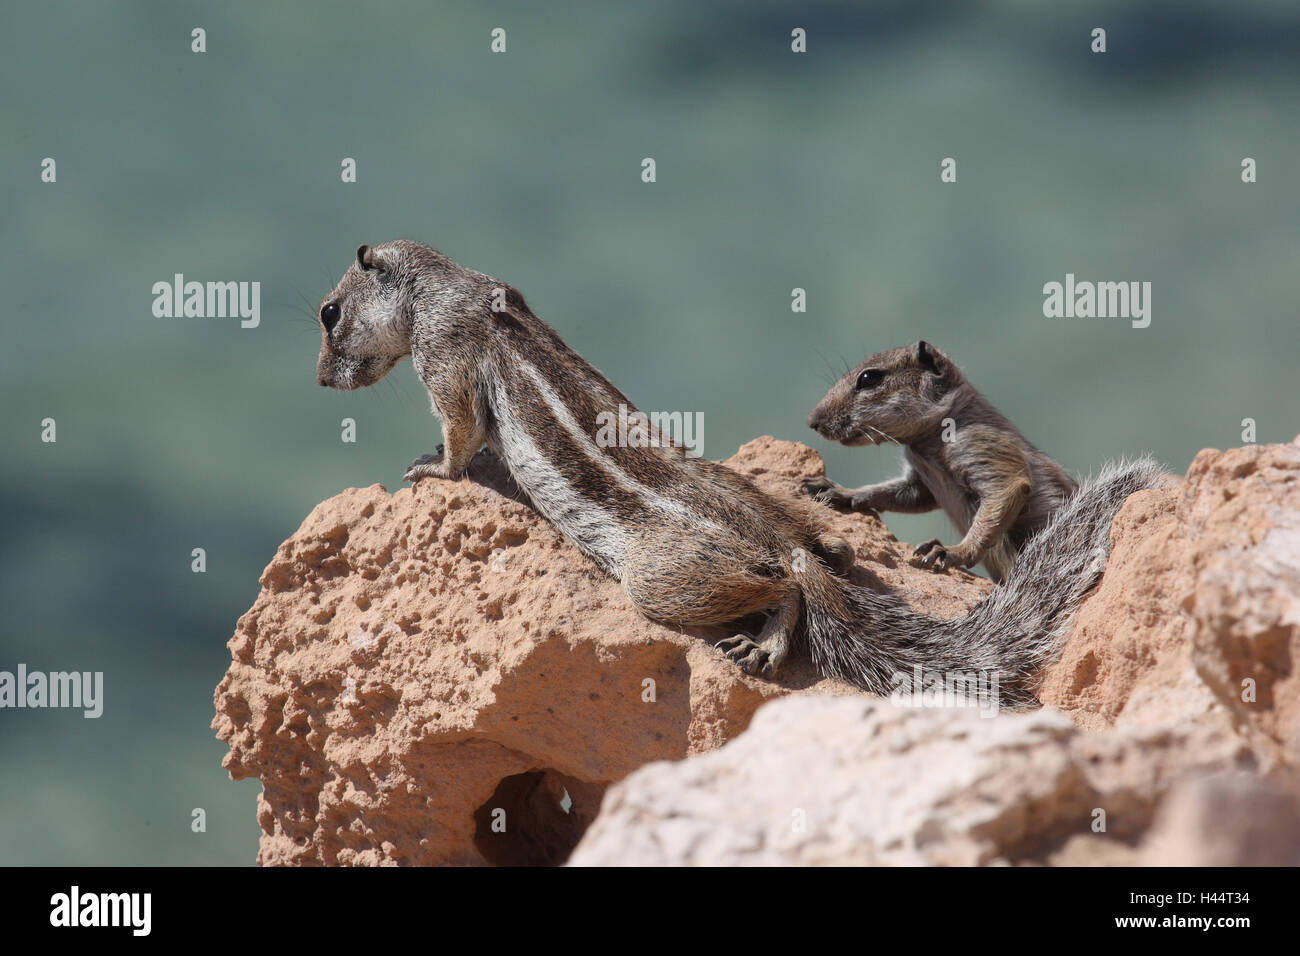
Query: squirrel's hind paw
pixel 752 657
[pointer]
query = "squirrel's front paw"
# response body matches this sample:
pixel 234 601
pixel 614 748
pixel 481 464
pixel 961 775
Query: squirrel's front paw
pixel 861 503
pixel 427 466
pixel 826 491
pixel 932 554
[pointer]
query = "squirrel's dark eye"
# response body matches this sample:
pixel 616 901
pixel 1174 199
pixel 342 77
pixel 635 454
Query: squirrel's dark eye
pixel 329 316
pixel 870 378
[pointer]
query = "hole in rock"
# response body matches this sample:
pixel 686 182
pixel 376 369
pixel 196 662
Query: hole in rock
pixel 535 818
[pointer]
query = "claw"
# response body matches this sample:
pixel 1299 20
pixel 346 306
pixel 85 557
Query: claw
pixel 743 650
pixel 751 656
pixel 935 556
pixel 423 467
pixel 824 491
pixel 859 504
pixel 926 546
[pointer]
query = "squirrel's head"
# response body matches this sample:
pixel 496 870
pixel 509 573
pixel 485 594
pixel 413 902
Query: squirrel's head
pixel 399 294
pixel 899 396
pixel 366 321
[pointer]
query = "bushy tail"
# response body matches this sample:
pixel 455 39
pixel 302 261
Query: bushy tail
pixel 877 642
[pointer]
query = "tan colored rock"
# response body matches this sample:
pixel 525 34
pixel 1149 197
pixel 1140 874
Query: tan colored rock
pixel 418 659
pixel 420 663
pixel 861 781
pixel 1227 819
pixel 1200 605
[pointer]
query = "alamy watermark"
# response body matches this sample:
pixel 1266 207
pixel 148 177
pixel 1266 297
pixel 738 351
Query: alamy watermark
pixel 1101 300
pixel 75 908
pixel 935 688
pixel 635 429
pixel 81 690
pixel 208 300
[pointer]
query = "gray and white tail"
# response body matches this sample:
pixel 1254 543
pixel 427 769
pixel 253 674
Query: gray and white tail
pixel 877 642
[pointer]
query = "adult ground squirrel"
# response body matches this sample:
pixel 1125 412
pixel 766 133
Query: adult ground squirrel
pixel 692 542
pixel 961 454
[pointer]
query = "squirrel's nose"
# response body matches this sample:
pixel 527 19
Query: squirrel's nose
pixel 816 418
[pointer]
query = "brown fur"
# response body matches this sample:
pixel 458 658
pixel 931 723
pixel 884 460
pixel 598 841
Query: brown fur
pixel 718 550
pixel 997 488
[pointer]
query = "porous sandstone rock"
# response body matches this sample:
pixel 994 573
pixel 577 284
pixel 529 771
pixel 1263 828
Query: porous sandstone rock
pixel 437 676
pixel 861 781
pixel 417 661
pixel 1198 615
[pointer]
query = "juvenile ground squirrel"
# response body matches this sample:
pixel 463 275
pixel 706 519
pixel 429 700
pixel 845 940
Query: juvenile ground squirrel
pixel 692 542
pixel 961 454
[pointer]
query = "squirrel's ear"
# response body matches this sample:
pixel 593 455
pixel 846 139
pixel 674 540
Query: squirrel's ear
pixel 367 259
pixel 929 358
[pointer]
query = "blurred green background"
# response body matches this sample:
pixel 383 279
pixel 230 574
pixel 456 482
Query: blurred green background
pixel 775 171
